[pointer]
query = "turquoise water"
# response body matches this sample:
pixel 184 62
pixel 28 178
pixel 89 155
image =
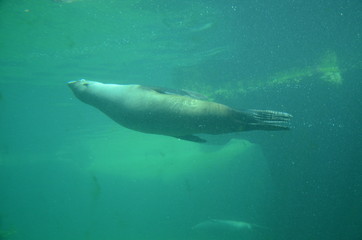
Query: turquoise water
pixel 69 172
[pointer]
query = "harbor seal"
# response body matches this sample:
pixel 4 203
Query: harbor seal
pixel 226 225
pixel 228 229
pixel 177 114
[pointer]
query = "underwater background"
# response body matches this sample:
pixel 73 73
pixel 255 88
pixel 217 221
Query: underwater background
pixel 69 172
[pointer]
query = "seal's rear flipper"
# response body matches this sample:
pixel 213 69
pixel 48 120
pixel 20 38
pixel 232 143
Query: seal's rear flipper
pixel 265 120
pixel 192 138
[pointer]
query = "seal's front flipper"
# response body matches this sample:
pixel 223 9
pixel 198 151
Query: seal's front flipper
pixel 192 138
pixel 180 92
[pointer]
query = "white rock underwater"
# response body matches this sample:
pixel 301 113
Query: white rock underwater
pixel 136 155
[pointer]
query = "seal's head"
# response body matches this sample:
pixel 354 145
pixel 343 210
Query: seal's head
pixel 80 85
pixel 84 89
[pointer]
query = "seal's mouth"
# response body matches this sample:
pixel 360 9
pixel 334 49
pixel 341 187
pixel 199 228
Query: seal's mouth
pixel 71 82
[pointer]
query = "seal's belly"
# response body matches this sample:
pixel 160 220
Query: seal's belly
pixel 172 115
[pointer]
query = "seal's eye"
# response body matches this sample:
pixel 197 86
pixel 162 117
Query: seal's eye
pixel 84 82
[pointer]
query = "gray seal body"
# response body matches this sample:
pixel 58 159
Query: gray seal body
pixel 228 229
pixel 159 111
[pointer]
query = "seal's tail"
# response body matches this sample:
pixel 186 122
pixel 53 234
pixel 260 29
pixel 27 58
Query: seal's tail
pixel 266 120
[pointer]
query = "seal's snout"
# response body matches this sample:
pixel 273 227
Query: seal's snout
pixel 72 84
pixel 79 84
pixel 80 88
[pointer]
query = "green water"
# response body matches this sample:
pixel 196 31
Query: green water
pixel 69 172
